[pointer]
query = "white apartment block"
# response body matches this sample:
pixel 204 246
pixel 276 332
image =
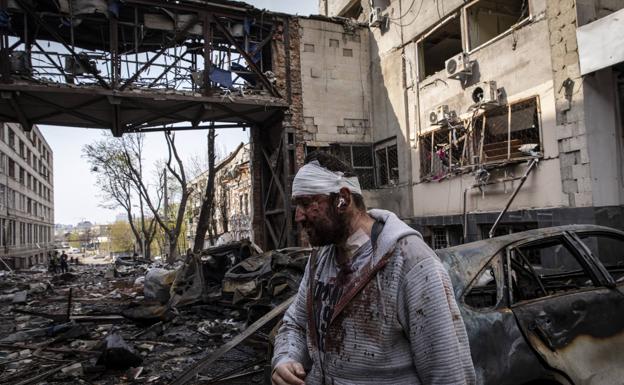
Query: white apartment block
pixel 26 197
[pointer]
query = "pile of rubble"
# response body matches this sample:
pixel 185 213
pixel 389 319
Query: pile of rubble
pixel 207 321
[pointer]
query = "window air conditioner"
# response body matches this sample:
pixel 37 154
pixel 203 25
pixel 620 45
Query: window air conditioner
pixel 375 19
pixel 439 115
pixel 485 93
pixel 458 66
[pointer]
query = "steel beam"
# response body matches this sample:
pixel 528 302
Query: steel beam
pixel 61 111
pixel 190 128
pixel 173 42
pixel 68 111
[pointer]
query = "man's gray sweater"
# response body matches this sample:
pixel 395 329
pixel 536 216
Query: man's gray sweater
pixel 402 327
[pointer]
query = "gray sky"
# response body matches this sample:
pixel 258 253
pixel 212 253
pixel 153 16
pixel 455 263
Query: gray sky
pixel 76 195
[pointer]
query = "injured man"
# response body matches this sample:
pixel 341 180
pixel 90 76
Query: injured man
pixel 375 305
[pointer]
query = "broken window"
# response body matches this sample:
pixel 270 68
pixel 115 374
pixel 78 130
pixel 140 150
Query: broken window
pixel 488 19
pixel 484 291
pixel 609 250
pixel 334 43
pixel 546 268
pixel 441 152
pixel 499 135
pixel 511 132
pixel 308 48
pixel 348 52
pixel 439 46
pixel 387 163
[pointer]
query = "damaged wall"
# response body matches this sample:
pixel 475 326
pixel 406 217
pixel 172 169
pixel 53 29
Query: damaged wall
pixel 336 85
pixel 231 220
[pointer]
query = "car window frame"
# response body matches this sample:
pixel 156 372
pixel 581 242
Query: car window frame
pixel 567 239
pixel 500 284
pixel 608 280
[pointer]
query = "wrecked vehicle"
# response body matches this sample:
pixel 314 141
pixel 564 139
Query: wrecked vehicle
pixel 543 306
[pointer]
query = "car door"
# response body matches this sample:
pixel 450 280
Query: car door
pixel 567 309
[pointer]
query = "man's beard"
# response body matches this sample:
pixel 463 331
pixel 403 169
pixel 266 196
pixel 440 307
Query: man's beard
pixel 330 230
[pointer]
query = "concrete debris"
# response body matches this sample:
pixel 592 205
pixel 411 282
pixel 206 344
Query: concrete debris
pixel 145 322
pixel 74 370
pixel 118 354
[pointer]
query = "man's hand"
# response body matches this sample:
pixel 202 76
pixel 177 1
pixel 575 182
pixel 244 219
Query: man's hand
pixel 288 373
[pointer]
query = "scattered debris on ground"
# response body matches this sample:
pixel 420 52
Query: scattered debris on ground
pixel 207 320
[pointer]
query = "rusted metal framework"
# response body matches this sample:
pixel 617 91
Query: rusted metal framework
pixel 144 65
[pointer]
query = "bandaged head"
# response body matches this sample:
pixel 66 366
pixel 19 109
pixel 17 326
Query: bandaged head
pixel 314 179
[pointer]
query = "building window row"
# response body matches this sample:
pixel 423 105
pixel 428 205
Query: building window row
pixel 25 178
pixel 7 135
pixel 17 233
pixel 15 200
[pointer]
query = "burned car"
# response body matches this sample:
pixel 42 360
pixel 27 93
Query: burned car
pixel 543 306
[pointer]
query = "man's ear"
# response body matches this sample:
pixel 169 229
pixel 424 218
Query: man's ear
pixel 344 198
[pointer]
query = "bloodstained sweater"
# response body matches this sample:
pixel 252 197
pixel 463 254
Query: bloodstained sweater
pixel 402 327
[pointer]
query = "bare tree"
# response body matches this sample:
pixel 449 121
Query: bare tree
pixel 171 225
pixel 207 207
pixel 108 162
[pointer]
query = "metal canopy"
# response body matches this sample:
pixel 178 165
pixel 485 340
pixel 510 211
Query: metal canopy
pixel 136 65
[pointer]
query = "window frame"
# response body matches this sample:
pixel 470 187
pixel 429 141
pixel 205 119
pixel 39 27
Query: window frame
pixel 385 145
pixel 569 242
pixel 496 261
pixel 466 27
pixel 420 54
pixel 475 142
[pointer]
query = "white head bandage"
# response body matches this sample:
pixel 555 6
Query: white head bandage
pixel 314 179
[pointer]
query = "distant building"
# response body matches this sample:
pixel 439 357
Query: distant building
pixel 26 196
pixel 84 226
pixel 232 218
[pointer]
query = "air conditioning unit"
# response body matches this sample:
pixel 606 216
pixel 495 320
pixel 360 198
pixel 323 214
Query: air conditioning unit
pixel 375 19
pixel 439 115
pixel 485 93
pixel 459 66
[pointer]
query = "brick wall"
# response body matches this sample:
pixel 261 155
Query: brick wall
pixel 570 116
pixel 289 128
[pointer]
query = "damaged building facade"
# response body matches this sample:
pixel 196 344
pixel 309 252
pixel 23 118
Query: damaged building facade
pixel 232 207
pixel 26 197
pixel 443 108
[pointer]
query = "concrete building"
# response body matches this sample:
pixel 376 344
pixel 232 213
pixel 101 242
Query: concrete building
pixel 26 197
pixel 442 106
pixel 232 215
